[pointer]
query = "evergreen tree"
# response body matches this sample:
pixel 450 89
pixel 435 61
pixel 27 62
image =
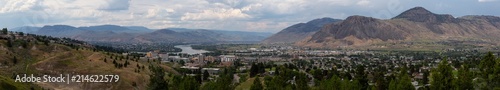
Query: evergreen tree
pixel 402 82
pixel 381 83
pixel 157 79
pixel 14 60
pixel 257 84
pixel 5 31
pixel 301 81
pixel 254 69
pixel 361 77
pixel 464 81
pixel 205 75
pixel 333 83
pixel 189 83
pixel 490 72
pixel 442 76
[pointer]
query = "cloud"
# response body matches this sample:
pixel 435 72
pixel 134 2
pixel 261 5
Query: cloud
pixel 243 15
pixel 113 5
pixel 486 0
pixel 216 14
pixel 20 5
pixel 363 2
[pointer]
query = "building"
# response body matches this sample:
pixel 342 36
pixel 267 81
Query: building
pixel 227 58
pixel 211 71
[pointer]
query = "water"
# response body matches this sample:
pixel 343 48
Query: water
pixel 187 49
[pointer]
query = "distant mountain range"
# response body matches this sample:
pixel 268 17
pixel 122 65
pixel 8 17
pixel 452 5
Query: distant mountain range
pixel 414 25
pixel 115 33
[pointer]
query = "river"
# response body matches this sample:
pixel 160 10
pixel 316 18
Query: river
pixel 187 49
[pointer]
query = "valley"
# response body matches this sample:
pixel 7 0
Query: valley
pixel 415 50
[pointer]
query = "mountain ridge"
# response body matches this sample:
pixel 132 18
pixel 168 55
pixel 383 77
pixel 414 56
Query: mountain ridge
pixel 414 24
pixel 299 31
pixel 116 33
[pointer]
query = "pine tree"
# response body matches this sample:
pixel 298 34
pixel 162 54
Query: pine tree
pixel 157 79
pixel 254 69
pixel 205 75
pixel 333 83
pixel 257 84
pixel 5 31
pixel 14 60
pixel 464 81
pixel 489 72
pixel 442 76
pixel 361 77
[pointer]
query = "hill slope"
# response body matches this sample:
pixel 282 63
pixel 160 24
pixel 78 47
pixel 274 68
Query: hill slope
pixel 42 55
pixel 299 31
pixel 416 24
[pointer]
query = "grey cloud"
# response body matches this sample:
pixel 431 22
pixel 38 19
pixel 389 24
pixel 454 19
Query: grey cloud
pixel 115 5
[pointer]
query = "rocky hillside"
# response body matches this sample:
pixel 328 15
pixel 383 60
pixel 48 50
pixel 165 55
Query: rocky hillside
pixel 299 31
pixel 42 55
pixel 416 24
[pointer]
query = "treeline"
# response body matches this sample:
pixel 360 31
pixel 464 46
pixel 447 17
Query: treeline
pixel 160 80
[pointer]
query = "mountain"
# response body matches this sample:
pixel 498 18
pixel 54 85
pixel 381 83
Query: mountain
pixel 299 31
pixel 166 35
pixel 199 35
pixel 26 29
pixel 115 33
pixel 117 29
pixel 224 34
pixel 414 25
pixel 59 31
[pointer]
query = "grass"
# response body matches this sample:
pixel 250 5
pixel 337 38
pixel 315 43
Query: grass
pixel 245 85
pixel 64 60
pixel 10 84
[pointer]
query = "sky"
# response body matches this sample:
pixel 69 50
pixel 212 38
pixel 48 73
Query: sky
pixel 238 15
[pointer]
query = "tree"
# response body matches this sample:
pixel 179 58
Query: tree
pixel 381 83
pixel 180 62
pixel 402 82
pixel 301 81
pixel 5 31
pixel 442 76
pixel 205 75
pixel 464 81
pixel 189 83
pixel 254 69
pixel 361 77
pixel 223 82
pixel 14 60
pixel 490 72
pixel 425 77
pixel 257 84
pixel 333 83
pixel 487 65
pixel 157 79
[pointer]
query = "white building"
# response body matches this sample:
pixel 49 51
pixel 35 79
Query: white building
pixel 227 58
